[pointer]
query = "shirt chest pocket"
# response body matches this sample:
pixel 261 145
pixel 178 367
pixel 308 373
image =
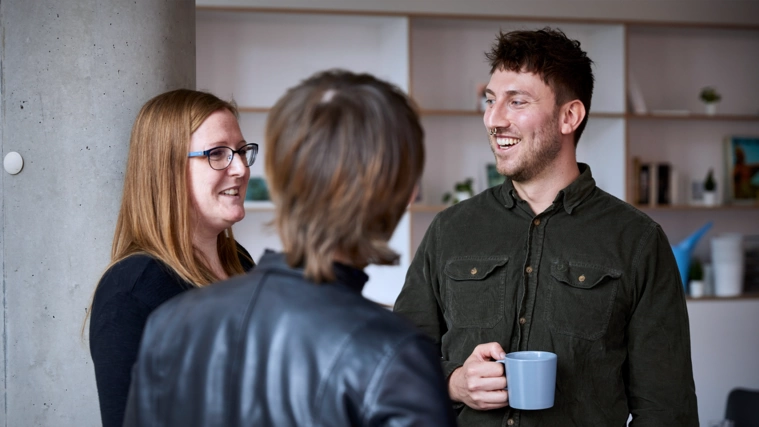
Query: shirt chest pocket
pixel 581 299
pixel 474 291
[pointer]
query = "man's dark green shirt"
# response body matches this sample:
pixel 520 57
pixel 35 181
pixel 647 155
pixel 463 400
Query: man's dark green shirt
pixel 591 279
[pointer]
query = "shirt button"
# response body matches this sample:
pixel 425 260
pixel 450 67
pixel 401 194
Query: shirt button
pixel 536 222
pixel 522 321
pixel 510 422
pixel 581 278
pixel 474 271
pixel 529 270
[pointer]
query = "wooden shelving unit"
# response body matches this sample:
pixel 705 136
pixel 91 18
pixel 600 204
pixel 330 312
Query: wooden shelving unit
pixel 253 55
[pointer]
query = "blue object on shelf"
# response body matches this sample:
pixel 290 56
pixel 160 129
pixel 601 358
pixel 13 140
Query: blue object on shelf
pixel 684 250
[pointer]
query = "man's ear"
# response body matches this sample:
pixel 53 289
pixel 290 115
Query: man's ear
pixel 571 115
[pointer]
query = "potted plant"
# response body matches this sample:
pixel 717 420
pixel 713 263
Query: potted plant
pixel 710 189
pixel 710 97
pixel 462 190
pixel 696 278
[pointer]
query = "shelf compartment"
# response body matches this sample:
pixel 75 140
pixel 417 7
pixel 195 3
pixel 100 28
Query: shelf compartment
pixel 672 64
pixel 254 57
pixel 695 117
pixel 448 61
pixel 697 207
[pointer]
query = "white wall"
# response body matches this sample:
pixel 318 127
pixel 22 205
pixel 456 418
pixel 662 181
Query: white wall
pixel 724 346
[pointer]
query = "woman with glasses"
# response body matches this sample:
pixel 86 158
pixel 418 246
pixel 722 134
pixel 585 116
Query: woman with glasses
pixel 184 188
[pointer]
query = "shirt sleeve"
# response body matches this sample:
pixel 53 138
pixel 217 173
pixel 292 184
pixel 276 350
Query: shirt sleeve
pixel 409 389
pixel 419 300
pixel 659 378
pixel 115 332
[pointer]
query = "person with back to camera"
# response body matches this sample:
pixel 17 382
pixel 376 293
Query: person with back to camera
pixel 294 343
pixel 184 187
pixel 547 261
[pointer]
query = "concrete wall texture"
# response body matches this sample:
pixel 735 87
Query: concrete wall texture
pixel 74 74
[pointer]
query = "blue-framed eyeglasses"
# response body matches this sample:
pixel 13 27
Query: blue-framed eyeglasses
pixel 219 158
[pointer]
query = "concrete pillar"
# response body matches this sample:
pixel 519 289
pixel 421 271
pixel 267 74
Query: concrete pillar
pixel 74 75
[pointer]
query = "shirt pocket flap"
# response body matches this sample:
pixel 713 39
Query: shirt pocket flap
pixel 582 276
pixel 472 268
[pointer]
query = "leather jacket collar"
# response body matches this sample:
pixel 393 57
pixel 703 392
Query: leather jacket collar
pixel 345 275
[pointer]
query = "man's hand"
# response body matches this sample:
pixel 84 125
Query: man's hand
pixel 480 383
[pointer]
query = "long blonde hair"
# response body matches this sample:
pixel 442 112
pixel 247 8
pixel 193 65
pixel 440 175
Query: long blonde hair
pixel 154 218
pixel 155 207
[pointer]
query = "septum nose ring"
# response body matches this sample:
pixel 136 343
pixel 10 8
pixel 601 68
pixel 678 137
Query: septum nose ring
pixel 493 131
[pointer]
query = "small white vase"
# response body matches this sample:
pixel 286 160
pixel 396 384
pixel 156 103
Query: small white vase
pixel 462 195
pixel 710 198
pixel 711 108
pixel 696 288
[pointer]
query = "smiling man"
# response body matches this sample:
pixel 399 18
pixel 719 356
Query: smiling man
pixel 548 261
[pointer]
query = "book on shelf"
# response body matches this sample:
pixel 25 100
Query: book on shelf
pixel 655 184
pixel 662 176
pixel 642 182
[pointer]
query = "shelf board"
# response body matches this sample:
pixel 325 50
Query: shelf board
pixel 425 112
pixel 698 207
pixel 266 206
pixel 605 115
pixel 428 112
pixel 253 109
pixel 436 14
pixel 694 116
pixel 259 206
pixel 712 298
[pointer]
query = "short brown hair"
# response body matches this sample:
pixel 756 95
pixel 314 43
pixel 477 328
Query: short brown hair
pixel 551 55
pixel 344 152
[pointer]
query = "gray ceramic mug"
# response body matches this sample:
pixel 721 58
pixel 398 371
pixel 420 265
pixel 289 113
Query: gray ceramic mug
pixel 531 378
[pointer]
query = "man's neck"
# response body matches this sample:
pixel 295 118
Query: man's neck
pixel 541 191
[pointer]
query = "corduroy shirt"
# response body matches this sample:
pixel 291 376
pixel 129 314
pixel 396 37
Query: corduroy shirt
pixel 591 279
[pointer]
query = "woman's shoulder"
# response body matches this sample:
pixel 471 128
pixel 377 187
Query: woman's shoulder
pixel 134 266
pixel 142 276
pixel 137 260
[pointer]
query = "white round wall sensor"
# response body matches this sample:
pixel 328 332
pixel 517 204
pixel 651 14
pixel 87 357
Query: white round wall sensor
pixel 13 163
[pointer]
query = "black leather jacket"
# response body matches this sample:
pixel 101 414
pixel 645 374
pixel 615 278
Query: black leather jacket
pixel 273 349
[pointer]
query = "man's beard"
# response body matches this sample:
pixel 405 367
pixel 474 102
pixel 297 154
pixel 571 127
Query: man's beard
pixel 542 151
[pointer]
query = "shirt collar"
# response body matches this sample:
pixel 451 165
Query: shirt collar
pixel 570 197
pixel 351 277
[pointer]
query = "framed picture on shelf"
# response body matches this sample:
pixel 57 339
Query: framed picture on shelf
pixel 742 169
